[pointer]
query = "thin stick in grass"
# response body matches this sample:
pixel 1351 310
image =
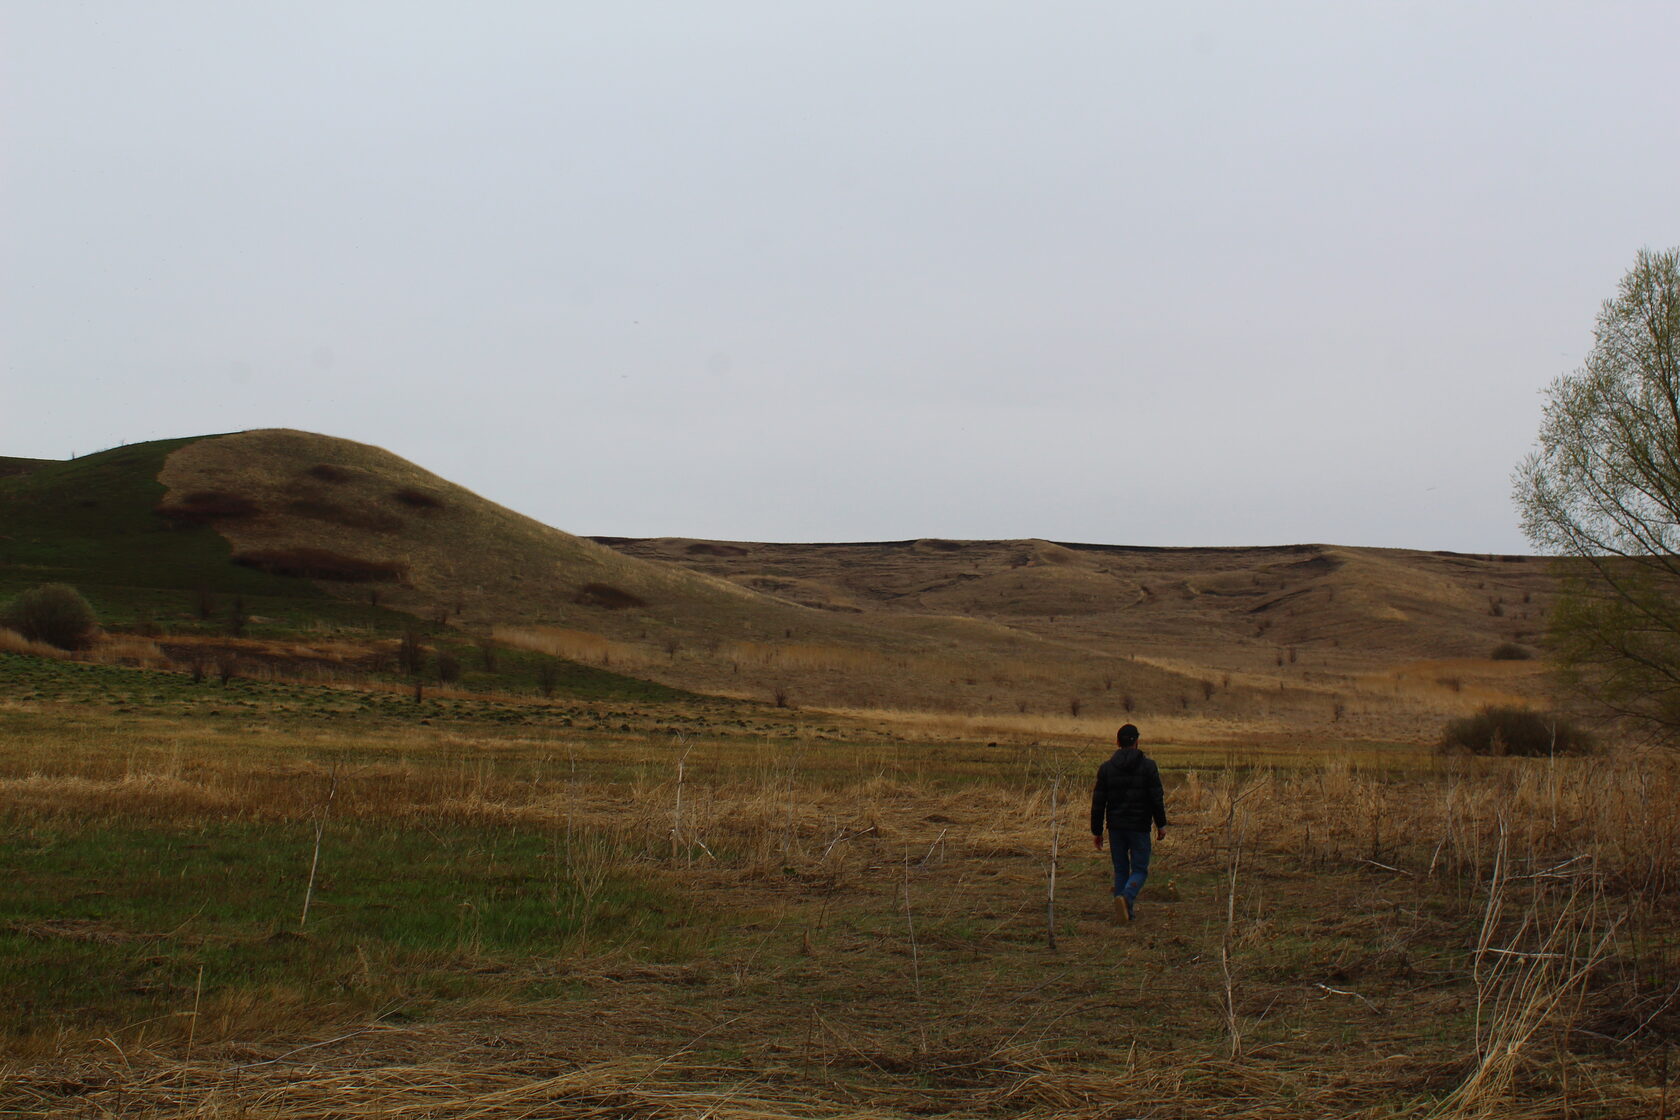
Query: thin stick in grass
pixel 192 1027
pixel 676 815
pixel 315 860
pixel 1055 846
pixel 910 921
pixel 1233 842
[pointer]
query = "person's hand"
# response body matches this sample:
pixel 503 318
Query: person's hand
pixel 1096 842
pixel 1161 833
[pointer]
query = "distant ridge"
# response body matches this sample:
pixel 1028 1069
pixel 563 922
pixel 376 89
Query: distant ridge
pixel 1238 605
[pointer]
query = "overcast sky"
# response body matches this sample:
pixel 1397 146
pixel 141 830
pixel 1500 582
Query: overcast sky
pixel 1193 274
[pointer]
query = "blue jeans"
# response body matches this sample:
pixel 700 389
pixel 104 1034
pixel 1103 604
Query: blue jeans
pixel 1130 853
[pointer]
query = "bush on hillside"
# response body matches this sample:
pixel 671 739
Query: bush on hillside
pixel 319 563
pixel 608 596
pixel 416 498
pixel 205 506
pixel 326 472
pixel 54 613
pixel 411 655
pixel 1511 651
pixel 1519 731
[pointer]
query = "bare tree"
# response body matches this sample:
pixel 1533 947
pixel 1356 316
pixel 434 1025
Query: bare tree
pixel 1602 489
pixel 411 655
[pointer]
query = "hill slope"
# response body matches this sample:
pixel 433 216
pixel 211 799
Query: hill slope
pixel 363 523
pixel 1235 607
pixel 357 519
pixel 93 522
pixel 313 530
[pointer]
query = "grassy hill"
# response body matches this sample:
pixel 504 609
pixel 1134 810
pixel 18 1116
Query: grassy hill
pixel 11 466
pixel 364 523
pixel 93 522
pixel 312 533
pixel 1235 607
pixel 1385 640
pixel 160 565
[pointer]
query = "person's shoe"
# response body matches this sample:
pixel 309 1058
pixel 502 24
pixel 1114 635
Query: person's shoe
pixel 1122 910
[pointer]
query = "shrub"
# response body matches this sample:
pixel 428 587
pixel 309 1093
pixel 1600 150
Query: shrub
pixel 416 498
pixel 318 563
pixel 55 614
pixel 1511 651
pixel 326 472
pixel 411 655
pixel 205 506
pixel 1495 730
pixel 608 596
pixel 448 666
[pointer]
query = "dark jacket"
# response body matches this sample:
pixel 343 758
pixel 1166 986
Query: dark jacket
pixel 1128 794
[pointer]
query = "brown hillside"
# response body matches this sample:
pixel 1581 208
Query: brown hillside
pixel 1371 641
pixel 979 638
pixel 363 522
pixel 348 513
pixel 1236 608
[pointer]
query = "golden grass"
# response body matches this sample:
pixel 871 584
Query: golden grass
pixel 13 642
pixel 577 645
pixel 1351 857
pixel 818 846
pixel 1063 728
pixel 127 650
pixel 107 649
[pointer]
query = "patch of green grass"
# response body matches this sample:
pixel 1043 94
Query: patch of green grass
pixel 520 670
pixel 103 926
pixel 91 522
pixel 101 691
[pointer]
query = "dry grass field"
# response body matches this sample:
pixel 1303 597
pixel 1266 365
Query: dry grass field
pixel 295 904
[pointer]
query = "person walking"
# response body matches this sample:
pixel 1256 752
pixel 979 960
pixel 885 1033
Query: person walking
pixel 1128 798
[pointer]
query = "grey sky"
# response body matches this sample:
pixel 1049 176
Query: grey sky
pixel 1154 274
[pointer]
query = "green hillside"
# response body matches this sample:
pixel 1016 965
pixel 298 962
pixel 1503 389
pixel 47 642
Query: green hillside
pixel 11 465
pixel 92 522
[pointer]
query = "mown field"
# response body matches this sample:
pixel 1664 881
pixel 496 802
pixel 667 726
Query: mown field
pixel 283 899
